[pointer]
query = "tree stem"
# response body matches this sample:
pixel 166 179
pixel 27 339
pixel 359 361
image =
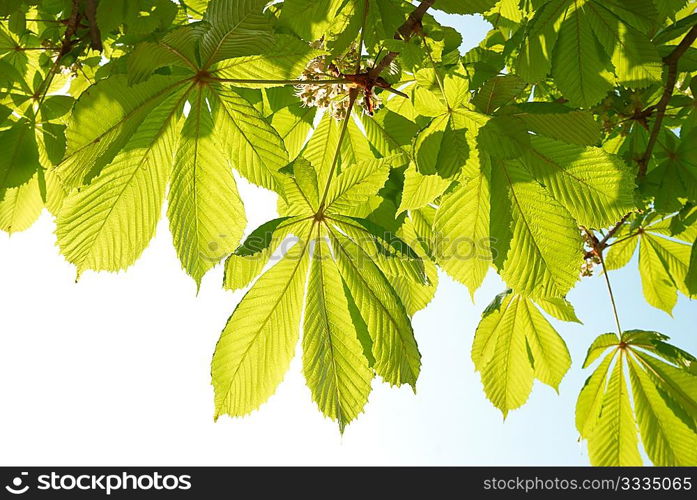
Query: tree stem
pixel 404 32
pixel 671 61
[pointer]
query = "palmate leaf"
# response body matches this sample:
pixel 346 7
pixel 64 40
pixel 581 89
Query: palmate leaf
pixel 206 217
pixel 657 399
pixel 513 345
pixel 355 322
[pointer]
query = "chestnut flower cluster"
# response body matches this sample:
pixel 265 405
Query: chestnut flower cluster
pixel 332 96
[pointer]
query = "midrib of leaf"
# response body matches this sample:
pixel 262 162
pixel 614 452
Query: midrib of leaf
pixel 177 53
pixel 496 83
pixel 578 49
pixel 509 358
pixel 622 390
pixel 525 221
pixel 266 320
pixel 658 250
pixel 330 337
pixel 195 169
pixel 164 126
pixel 370 291
pixel 127 116
pixel 567 173
pixel 556 14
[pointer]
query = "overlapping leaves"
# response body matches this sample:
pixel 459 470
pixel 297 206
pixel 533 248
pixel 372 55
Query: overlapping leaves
pixel 495 159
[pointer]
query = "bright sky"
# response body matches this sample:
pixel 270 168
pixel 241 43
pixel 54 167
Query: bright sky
pixel 115 370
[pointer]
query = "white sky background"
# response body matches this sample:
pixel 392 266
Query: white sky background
pixel 114 370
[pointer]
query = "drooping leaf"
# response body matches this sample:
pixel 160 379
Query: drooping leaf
pixel 462 225
pixel 397 359
pixel 205 211
pixel 535 264
pixel 258 342
pixel 335 368
pixel 107 224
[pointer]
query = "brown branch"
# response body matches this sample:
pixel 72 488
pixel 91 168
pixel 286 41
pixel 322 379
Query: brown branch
pixel 73 20
pixel 404 32
pixel 600 245
pixel 91 15
pixel 671 62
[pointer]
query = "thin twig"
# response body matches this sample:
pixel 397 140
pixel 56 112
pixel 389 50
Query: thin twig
pixel 671 61
pixel 91 15
pixel 599 252
pixel 602 244
pixel 353 94
pixel 612 296
pixel 66 46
